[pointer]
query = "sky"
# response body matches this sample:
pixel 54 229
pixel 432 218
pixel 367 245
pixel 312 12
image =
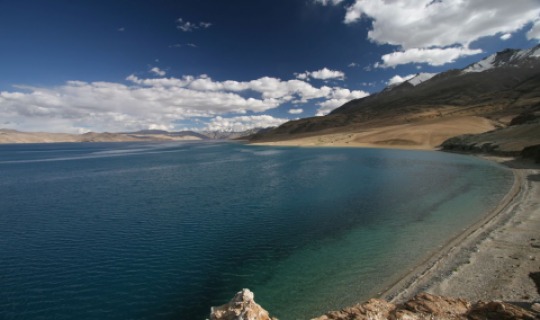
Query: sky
pixel 126 65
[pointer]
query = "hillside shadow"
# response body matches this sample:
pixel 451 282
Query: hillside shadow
pixel 520 163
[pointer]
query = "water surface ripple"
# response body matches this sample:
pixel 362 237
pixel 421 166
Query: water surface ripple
pixel 166 230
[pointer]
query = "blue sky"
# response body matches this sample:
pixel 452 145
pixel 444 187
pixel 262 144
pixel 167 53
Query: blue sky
pixel 124 65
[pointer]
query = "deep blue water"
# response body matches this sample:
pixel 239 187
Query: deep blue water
pixel 166 230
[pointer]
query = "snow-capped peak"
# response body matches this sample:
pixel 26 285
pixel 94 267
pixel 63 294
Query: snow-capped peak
pixel 527 53
pixel 482 65
pixel 413 79
pixel 506 57
pixel 421 77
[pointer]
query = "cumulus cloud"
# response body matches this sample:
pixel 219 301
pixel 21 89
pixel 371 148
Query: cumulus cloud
pixel 337 98
pixel 446 25
pixel 296 111
pixel 325 74
pixel 302 76
pixel 441 23
pixel 534 33
pixel 434 57
pixel 506 36
pixel 157 71
pixel 187 26
pixel 142 103
pixel 322 74
pixel 101 106
pixel 243 123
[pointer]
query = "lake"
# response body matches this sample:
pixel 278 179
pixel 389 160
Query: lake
pixel 166 230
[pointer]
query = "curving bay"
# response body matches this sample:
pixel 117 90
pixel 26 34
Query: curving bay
pixel 166 230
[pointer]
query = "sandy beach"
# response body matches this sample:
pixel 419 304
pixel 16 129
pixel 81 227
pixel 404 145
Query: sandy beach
pixel 493 259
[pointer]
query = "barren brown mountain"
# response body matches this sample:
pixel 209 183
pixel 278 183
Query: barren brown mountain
pixel 483 97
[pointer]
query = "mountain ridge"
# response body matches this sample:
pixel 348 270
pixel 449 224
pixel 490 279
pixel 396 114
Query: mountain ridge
pixel 15 136
pixel 506 87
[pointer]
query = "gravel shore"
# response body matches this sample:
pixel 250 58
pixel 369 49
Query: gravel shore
pixel 496 259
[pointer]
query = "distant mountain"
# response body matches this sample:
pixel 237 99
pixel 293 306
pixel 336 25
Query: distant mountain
pixel 233 135
pixel 494 89
pixel 14 136
pixel 185 134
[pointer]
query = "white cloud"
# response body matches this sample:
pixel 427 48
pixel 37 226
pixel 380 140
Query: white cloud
pixel 153 102
pixel 353 65
pixel 243 123
pixel 443 24
pixel 327 2
pixel 101 106
pixel 397 79
pixel 325 74
pixel 157 71
pixel 302 76
pixel 534 33
pixel 187 26
pixel 506 36
pixel 296 111
pixel 164 127
pixel 434 57
pixel 322 74
pixel 339 97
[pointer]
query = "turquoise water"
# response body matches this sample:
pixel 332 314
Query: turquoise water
pixel 166 230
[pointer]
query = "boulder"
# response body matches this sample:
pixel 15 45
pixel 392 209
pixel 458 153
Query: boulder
pixel 241 307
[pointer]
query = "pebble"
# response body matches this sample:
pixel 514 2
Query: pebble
pixel 536 307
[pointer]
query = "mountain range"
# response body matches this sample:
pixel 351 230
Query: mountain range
pixel 478 108
pixel 14 136
pixel 428 109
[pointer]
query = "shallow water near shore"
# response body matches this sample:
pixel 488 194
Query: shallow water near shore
pixel 166 230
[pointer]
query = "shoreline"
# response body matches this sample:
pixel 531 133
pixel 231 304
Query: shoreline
pixel 494 259
pixel 491 259
pixel 462 267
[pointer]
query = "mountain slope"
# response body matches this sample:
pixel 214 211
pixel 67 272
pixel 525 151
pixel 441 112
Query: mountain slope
pixel 495 89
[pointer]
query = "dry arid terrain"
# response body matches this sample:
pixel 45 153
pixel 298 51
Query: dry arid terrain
pixel 13 136
pixel 486 97
pixel 427 134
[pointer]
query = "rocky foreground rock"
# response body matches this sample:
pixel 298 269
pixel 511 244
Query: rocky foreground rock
pixel 423 306
pixel 241 307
